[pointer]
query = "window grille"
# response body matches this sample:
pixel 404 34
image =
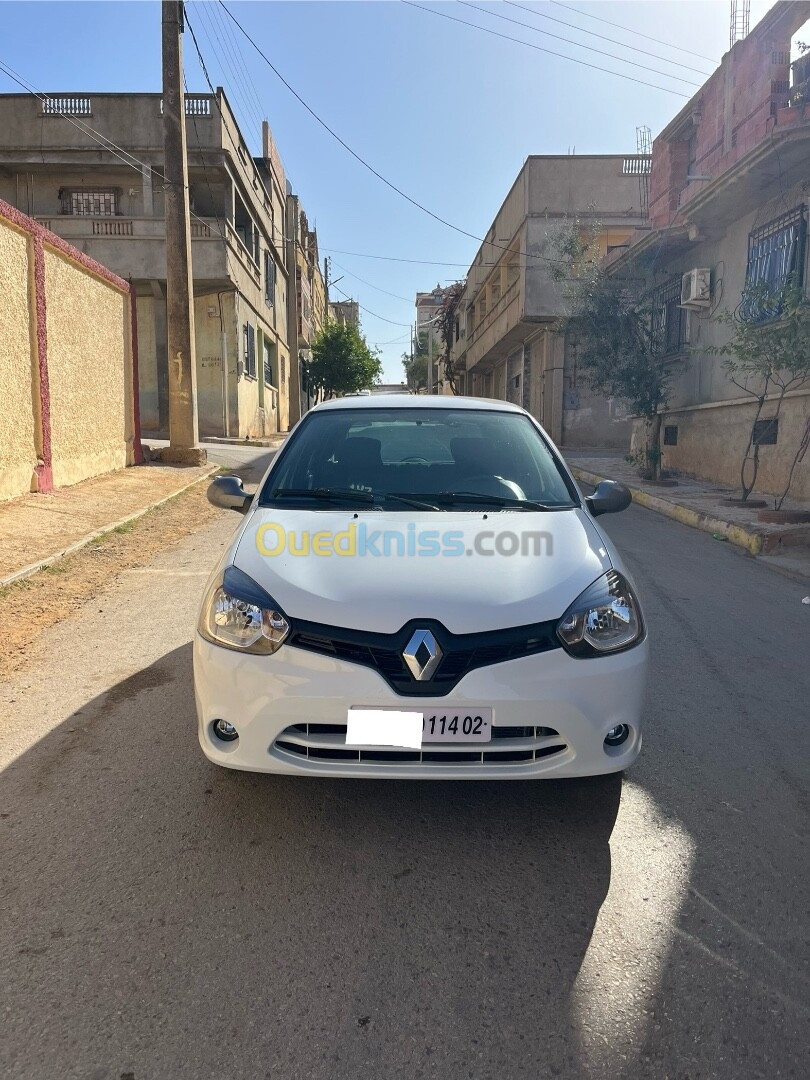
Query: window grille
pixel 268 363
pixel 668 317
pixel 775 260
pixel 249 339
pixel 92 202
pixel 269 277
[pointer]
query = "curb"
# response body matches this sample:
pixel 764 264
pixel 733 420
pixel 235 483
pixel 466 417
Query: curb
pixel 268 444
pixel 748 539
pixel 27 571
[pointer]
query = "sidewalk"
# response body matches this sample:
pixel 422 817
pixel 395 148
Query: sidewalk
pixel 271 441
pixel 699 504
pixel 36 530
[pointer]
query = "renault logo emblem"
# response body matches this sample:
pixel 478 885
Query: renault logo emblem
pixel 422 655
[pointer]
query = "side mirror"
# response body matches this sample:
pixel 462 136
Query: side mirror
pixel 227 493
pixel 610 497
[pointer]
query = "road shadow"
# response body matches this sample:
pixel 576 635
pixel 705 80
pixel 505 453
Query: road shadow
pixel 722 987
pixel 165 918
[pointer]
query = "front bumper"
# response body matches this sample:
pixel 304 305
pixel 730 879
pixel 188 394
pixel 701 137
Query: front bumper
pixel 264 696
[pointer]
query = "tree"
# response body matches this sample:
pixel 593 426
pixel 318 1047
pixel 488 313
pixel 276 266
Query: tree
pixel 768 354
pixel 446 325
pixel 342 362
pixel 416 365
pixel 621 327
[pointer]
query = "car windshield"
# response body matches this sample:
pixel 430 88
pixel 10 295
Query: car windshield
pixel 406 458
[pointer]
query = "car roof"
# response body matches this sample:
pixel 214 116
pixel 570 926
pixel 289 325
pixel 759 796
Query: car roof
pixel 420 401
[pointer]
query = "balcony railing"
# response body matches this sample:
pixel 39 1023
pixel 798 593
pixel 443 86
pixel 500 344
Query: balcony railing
pixel 503 301
pixel 81 226
pixel 196 105
pixel 67 106
pixel 636 166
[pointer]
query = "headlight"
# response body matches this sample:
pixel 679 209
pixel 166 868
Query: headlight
pixel 238 614
pixel 603 619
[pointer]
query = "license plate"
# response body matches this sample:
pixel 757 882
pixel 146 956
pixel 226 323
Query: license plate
pixel 469 725
pixel 381 727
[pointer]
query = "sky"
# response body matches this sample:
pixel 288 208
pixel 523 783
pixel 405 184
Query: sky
pixel 446 112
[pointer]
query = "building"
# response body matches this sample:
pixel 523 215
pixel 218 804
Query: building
pixel 510 339
pixel 729 194
pixel 428 333
pixel 306 300
pixel 428 306
pixel 54 168
pixel 345 312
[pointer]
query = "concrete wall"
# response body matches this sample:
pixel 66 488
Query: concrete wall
pixel 88 369
pixel 18 454
pixel 712 441
pixel 67 363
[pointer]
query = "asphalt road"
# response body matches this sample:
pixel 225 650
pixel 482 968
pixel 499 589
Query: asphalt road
pixel 162 918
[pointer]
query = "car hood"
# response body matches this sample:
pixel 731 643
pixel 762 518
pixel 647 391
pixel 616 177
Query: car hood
pixel 467 592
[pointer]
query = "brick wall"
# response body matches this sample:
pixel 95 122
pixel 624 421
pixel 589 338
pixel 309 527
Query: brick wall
pixel 734 111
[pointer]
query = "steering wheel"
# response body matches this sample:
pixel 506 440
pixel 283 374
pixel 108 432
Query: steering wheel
pixel 415 457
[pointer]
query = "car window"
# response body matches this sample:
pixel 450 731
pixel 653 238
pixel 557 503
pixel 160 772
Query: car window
pixel 399 452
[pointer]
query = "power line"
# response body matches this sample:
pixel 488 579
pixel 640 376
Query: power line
pixel 383 179
pixel 368 311
pixel 242 67
pixel 577 44
pixel 371 285
pixel 604 37
pixel 394 341
pixel 137 164
pixel 540 48
pixel 220 44
pixel 638 33
pixel 394 258
pixel 345 145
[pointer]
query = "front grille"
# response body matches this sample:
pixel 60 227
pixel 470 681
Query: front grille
pixel 510 745
pixel 461 653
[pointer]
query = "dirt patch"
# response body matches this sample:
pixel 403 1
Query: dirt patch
pixel 32 605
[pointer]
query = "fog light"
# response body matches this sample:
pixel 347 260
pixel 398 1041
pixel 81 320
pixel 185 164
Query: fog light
pixel 617 735
pixel 225 731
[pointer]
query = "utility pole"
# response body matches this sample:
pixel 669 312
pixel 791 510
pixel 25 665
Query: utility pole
pixel 430 359
pixel 291 231
pixel 326 281
pixel 183 425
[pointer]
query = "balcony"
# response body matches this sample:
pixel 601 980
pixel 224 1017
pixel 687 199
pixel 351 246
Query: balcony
pixel 134 247
pixel 499 330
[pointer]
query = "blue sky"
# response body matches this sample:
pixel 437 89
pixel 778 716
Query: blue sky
pixel 445 111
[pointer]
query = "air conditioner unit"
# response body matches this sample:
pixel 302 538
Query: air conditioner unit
pixel 696 288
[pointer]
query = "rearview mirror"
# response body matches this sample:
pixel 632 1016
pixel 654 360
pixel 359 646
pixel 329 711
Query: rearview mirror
pixel 610 497
pixel 227 493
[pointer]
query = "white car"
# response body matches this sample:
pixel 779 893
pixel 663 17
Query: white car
pixel 419 590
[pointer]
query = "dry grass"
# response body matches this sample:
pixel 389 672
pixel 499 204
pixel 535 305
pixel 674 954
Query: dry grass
pixel 30 606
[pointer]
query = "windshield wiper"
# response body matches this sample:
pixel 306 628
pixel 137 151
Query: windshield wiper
pixel 498 500
pixel 412 500
pixel 326 494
